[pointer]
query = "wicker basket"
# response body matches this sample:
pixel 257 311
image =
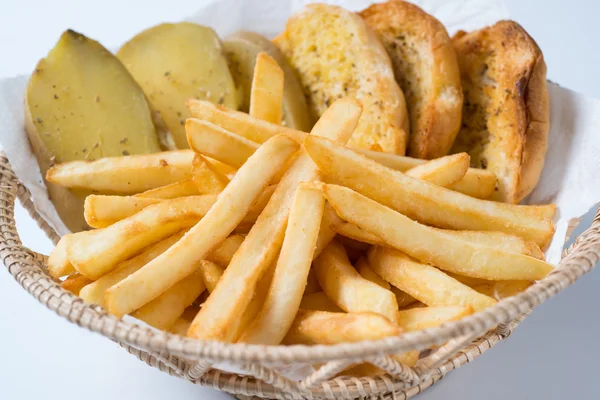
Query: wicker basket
pixel 461 341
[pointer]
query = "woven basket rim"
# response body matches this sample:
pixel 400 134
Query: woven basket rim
pixel 579 260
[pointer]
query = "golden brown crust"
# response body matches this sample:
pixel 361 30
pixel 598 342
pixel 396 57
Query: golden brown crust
pixel 337 55
pixel 426 69
pixel 506 109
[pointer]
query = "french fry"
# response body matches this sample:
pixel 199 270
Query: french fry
pixel 312 284
pixel 206 177
pixel 101 211
pixel 218 143
pixel 291 273
pixel 429 245
pixel 164 311
pixel 58 261
pixel 223 168
pixel 266 93
pixel 94 253
pixel 424 282
pixel 404 299
pixel 95 292
pixel 353 245
pixel 183 188
pixel 265 238
pixel 75 282
pixel 260 204
pixel 127 174
pixel 502 289
pixel 354 232
pixel 180 327
pixel 326 233
pixel 211 273
pixel 227 212
pixel 420 200
pixel 444 171
pixel 223 253
pixel 320 302
pixel 363 268
pixel 322 327
pixel 419 318
pixel 347 289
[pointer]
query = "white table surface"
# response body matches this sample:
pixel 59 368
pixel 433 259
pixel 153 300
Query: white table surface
pixel 551 355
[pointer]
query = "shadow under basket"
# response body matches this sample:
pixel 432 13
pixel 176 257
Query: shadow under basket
pixel 459 342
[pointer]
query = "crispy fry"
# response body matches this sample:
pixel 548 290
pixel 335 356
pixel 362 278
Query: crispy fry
pixel 183 188
pixel 444 171
pixel 207 178
pixel 266 93
pixel 218 143
pixel 322 327
pixel 95 292
pixel 420 200
pixel 320 302
pixel 346 288
pixel 211 273
pixel 264 240
pixel 419 318
pixel 127 174
pixel 102 211
pixel 352 231
pixel 163 311
pixel 180 327
pixel 424 282
pixel 58 261
pixel 365 270
pixel 223 253
pixel 430 245
pixel 291 273
pixel 228 211
pixel 75 282
pixel 94 253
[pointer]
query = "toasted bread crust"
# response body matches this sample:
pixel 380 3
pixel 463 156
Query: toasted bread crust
pixel 506 109
pixel 337 55
pixel 426 69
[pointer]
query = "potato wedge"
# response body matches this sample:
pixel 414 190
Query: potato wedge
pixel 183 188
pixel 424 282
pixel 227 212
pixel 206 178
pixel 319 301
pixel 125 175
pixel 266 93
pixel 265 238
pixel 419 318
pixel 420 200
pixel 176 62
pixel 291 272
pixel 242 49
pixel 347 289
pixel 58 261
pixel 81 103
pixel 444 171
pixel 165 310
pixel 94 253
pixel 430 245
pixel 75 282
pixel 322 327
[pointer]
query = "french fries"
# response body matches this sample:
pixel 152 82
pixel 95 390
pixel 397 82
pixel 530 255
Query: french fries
pixel 322 327
pixel 183 188
pixel 75 282
pixel 291 273
pixel 58 261
pixel 420 200
pixel 265 238
pixel 320 302
pixel 363 268
pixel 164 311
pixel 424 282
pixel 347 289
pixel 208 179
pixel 227 212
pixel 419 318
pixel 223 254
pixel 126 175
pixel 266 94
pixel 444 171
pixel 102 211
pixel 326 233
pixel 404 299
pixel 430 245
pixel 354 232
pixel 94 253
pixel 211 273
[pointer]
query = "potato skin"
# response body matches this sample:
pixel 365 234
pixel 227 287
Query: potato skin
pixel 81 103
pixel 176 62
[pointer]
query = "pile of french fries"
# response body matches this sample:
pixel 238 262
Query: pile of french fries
pixel 264 234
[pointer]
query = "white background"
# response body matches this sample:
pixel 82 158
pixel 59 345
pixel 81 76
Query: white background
pixel 551 355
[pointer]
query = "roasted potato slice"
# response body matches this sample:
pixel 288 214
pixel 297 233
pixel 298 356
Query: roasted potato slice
pixel 175 62
pixel 82 104
pixel 241 49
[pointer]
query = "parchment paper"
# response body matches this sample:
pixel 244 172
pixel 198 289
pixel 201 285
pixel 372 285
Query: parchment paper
pixel 571 176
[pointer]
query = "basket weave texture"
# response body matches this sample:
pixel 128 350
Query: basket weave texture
pixel 459 342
